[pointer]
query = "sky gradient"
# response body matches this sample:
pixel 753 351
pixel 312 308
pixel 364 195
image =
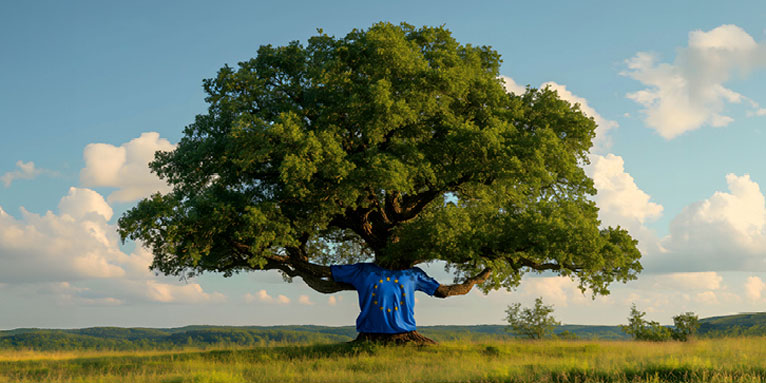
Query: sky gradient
pixel 90 90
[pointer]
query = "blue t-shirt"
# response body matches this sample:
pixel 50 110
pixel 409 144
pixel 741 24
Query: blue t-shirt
pixel 386 297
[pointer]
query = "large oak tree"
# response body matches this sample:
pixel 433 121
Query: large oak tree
pixel 394 145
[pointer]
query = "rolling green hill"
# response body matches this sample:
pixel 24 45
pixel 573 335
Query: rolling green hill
pixel 118 338
pixel 744 324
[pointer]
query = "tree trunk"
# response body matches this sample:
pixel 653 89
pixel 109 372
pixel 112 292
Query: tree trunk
pixel 412 337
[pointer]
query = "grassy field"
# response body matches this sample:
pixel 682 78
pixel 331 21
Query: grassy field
pixel 708 360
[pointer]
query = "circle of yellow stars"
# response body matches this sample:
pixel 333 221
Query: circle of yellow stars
pixel 396 307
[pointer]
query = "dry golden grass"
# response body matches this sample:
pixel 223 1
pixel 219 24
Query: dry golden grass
pixel 719 360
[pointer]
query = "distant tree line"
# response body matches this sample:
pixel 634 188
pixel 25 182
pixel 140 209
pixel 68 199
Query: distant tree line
pixel 119 339
pixel 116 338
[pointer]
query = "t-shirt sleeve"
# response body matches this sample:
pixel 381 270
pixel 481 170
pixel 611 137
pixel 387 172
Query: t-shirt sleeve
pixel 425 283
pixel 346 273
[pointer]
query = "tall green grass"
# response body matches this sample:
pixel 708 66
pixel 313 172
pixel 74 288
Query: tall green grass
pixel 709 360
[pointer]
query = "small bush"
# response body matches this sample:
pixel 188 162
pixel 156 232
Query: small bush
pixel 568 335
pixel 656 332
pixel 685 326
pixel 535 323
pixel 491 351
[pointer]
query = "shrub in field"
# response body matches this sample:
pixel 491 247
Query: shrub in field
pixel 535 323
pixel 640 329
pixel 685 326
pixel 656 332
pixel 568 335
pixel 636 323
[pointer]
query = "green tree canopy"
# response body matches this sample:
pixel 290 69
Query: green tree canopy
pixel 395 145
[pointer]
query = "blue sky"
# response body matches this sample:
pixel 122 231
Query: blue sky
pixel 89 88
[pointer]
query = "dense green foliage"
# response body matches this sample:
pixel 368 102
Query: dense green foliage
pixel 684 327
pixel 535 322
pixel 641 329
pixel 394 144
pixel 721 360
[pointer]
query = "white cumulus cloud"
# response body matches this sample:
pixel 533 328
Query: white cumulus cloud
pixel 80 203
pixel 512 87
pixel 724 232
pixel 707 298
pixel 690 92
pixel 26 171
pixel 67 294
pixel 621 201
pixel 125 167
pixel 260 296
pixel 754 287
pixel 708 280
pixel 184 293
pixel 77 244
pixel 305 300
pixel 69 252
pixel 554 290
pixel 263 296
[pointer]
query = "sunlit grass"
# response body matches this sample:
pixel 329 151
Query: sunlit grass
pixel 22 355
pixel 716 360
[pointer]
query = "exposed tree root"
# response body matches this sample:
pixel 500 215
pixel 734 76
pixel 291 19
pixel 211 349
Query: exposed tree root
pixel 412 337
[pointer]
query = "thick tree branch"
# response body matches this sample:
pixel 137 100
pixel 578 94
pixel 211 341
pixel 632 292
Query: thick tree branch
pixel 519 262
pixel 374 221
pixel 400 208
pixel 367 223
pixel 318 277
pixel 299 253
pixel 523 262
pixel 312 280
pixel 463 288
